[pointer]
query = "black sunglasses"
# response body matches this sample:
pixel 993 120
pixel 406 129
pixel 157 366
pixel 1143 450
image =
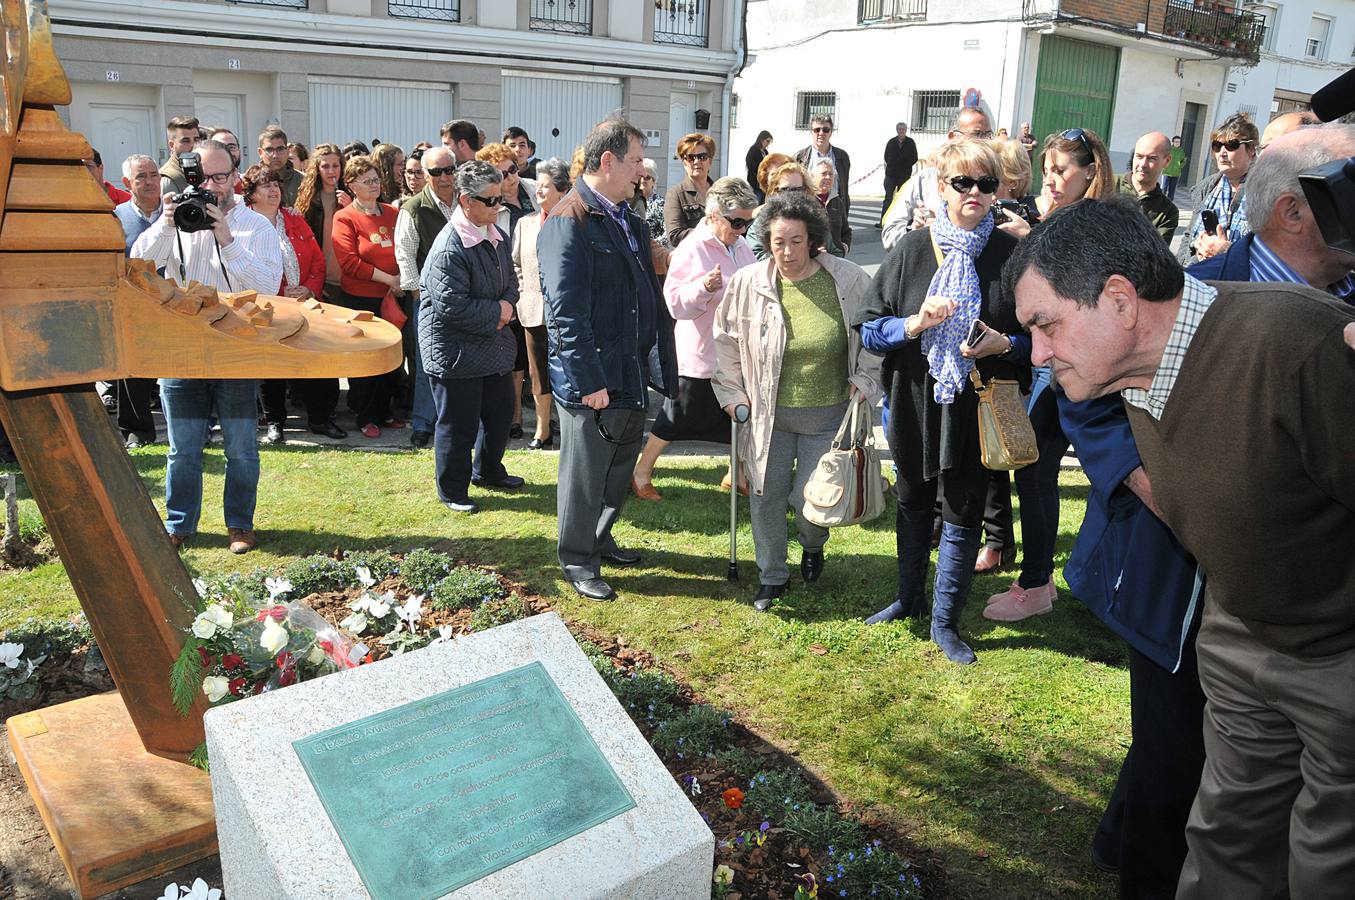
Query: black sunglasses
pixel 435 171
pixel 964 184
pixel 602 429
pixel 696 157
pixel 822 130
pixel 491 202
pixel 1232 146
pixel 416 154
pixel 1077 134
pixel 736 223
pixel 511 170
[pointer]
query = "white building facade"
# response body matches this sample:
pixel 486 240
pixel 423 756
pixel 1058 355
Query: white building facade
pixel 1306 45
pixel 1119 69
pixel 396 70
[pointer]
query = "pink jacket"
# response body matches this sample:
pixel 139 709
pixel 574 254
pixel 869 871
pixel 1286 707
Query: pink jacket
pixel 691 304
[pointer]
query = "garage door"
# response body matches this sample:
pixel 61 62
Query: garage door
pixel 558 111
pixel 397 112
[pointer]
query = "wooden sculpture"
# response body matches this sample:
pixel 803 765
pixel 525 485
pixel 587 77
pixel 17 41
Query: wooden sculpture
pixel 108 773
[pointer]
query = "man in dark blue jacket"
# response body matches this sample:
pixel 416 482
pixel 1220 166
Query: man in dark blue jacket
pixel 611 337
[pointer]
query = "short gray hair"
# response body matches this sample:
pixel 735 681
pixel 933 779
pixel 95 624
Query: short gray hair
pixel 1276 172
pixel 135 159
pixel 475 175
pixel 554 171
pixel 651 167
pixel 729 194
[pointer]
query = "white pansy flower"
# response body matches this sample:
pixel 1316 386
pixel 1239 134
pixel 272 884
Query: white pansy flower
pixel 274 637
pixel 364 576
pixel 9 655
pixel 277 587
pixel 215 687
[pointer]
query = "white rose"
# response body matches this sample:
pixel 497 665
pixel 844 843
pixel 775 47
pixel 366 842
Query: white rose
pixel 274 636
pixel 215 687
pixel 203 627
pixel 316 656
pixel 219 616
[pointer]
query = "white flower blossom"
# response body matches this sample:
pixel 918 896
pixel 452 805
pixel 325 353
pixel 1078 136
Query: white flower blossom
pixel 9 655
pixel 203 627
pixel 354 623
pixel 211 620
pixel 376 607
pixel 171 892
pixel 411 612
pixel 277 587
pixel 274 637
pixel 364 576
pixel 215 687
pixel 201 587
pixel 444 635
pixel 316 655
pixel 200 891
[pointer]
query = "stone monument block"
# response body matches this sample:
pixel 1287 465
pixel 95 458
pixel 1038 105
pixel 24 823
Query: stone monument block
pixel 499 765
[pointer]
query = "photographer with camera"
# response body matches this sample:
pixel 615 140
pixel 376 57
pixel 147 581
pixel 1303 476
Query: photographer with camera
pixel 206 235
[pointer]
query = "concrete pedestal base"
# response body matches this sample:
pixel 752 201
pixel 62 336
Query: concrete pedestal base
pixel 117 814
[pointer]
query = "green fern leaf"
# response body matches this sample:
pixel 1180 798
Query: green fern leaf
pixel 185 677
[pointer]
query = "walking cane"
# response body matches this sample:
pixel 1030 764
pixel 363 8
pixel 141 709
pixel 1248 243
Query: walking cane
pixel 740 416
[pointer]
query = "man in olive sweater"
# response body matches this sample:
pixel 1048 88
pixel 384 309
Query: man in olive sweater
pixel 1241 398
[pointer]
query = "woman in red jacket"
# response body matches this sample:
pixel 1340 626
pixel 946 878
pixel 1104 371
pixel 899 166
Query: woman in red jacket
pixel 303 276
pixel 364 244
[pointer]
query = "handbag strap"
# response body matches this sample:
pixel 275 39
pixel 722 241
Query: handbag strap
pixel 977 379
pixel 851 433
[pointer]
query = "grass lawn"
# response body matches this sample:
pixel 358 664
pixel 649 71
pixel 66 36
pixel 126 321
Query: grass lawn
pixel 1003 766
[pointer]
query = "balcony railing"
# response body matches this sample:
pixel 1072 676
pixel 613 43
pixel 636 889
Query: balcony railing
pixel 890 11
pixel 564 16
pixel 680 22
pixel 1206 23
pixel 286 4
pixel 443 10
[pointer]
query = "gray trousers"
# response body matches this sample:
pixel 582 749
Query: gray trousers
pixel 594 481
pixel 800 436
pixel 1275 815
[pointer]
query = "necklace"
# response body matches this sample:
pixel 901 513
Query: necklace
pixel 375 209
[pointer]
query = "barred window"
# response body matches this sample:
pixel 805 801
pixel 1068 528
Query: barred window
pixel 733 110
pixel 446 10
pixel 933 110
pixel 287 4
pixel 809 104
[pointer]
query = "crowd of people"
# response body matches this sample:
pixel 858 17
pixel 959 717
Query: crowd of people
pixel 576 285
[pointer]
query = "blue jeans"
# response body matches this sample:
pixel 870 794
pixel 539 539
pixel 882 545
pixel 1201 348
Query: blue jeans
pixel 424 414
pixel 189 405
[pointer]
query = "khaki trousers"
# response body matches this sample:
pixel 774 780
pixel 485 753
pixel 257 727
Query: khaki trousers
pixel 1275 815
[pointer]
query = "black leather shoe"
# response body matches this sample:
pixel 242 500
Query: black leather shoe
pixel 622 557
pixel 275 435
pixel 538 444
pixel 811 566
pixel 329 430
pixel 766 594
pixel 507 483
pixel 515 433
pixel 462 506
pixel 594 589
pixel 420 439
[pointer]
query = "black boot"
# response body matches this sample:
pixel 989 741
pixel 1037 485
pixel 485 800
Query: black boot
pixel 912 540
pixel 954 572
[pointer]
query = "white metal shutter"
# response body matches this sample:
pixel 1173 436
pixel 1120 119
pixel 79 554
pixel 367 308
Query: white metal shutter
pixel 558 111
pixel 397 112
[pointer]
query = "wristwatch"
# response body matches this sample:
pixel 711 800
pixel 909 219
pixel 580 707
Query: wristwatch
pixel 1011 345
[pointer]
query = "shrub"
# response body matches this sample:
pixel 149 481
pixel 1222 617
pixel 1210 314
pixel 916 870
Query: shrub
pixel 32 528
pixel 465 587
pixel 743 763
pixel 48 638
pixel 493 613
pixel 421 569
pixel 772 793
pixel 313 574
pixel 379 562
pixel 648 695
pixel 698 732
pixel 870 872
pixel 821 827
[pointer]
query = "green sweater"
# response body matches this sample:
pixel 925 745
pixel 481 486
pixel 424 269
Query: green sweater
pixel 814 366
pixel 1251 463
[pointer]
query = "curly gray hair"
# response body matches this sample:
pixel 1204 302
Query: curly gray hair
pixel 729 194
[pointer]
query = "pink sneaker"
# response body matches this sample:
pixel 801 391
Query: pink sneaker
pixel 1017 603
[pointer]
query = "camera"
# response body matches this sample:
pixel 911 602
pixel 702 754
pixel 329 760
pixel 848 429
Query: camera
pixel 1003 210
pixel 1330 190
pixel 190 211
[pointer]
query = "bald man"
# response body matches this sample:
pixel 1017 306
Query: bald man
pixel 1151 154
pixel 1287 122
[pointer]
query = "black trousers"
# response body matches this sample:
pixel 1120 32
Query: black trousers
pixel 891 185
pixel 1144 826
pixel 474 414
pixel 997 512
pixel 134 407
pixel 320 396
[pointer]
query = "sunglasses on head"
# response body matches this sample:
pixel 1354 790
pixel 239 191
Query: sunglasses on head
pixel 1232 146
pixel 736 223
pixel 435 171
pixel 964 184
pixel 821 129
pixel 1077 134
pixel 488 201
pixel 416 154
pixel 696 157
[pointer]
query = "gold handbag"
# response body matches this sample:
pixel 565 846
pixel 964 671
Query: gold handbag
pixel 1006 438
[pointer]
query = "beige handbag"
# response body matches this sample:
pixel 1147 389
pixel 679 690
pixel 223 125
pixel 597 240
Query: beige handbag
pixel 1006 438
pixel 847 486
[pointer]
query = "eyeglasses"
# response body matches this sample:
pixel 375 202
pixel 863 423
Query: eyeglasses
pixel 487 201
pixel 696 157
pixel 437 171
pixel 736 223
pixel 794 188
pixel 220 177
pixel 964 184
pixel 369 182
pixel 511 170
pixel 1077 134
pixel 274 151
pixel 822 129
pixel 977 133
pixel 602 429
pixel 1232 146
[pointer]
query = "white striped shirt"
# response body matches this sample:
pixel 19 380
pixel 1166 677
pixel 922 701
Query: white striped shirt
pixel 253 258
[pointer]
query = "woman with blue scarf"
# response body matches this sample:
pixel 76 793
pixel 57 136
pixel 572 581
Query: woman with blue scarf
pixel 934 285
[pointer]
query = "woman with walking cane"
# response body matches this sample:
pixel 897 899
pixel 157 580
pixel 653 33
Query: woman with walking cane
pixel 785 349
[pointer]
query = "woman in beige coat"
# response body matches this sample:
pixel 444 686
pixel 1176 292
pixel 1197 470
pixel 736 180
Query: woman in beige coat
pixel 785 347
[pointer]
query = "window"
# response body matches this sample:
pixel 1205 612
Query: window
pixel 809 104
pixel 287 4
pixel 446 10
pixel 681 22
pixel 933 110
pixel 1269 16
pixel 565 16
pixel 1316 48
pixel 733 110
pixel 890 11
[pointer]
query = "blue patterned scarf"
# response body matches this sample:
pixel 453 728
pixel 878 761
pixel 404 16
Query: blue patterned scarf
pixel 958 280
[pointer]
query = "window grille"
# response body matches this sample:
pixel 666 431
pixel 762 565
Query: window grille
pixel 563 16
pixel 809 104
pixel 868 11
pixel 681 22
pixel 445 10
pixel 934 110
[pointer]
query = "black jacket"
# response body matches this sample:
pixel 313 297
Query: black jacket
pixel 899 160
pixel 459 291
pixel 844 173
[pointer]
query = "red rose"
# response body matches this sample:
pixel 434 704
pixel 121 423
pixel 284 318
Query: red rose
pixel 237 687
pixel 232 661
pixel 287 677
pixel 278 613
pixel 284 660
pixel 258 687
pixel 205 657
pixel 733 798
